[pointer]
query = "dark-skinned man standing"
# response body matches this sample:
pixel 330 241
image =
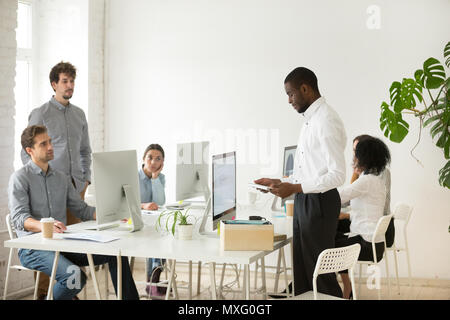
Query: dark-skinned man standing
pixel 319 168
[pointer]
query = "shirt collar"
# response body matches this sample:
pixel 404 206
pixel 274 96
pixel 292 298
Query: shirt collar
pixel 37 170
pixel 58 105
pixel 313 108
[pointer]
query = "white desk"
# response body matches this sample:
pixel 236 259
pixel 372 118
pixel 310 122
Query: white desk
pixel 58 244
pixel 200 248
pixel 149 243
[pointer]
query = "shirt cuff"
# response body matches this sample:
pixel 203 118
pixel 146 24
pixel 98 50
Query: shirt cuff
pixel 288 180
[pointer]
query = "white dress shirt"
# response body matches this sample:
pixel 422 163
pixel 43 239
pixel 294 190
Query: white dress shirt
pixel 319 163
pixel 367 196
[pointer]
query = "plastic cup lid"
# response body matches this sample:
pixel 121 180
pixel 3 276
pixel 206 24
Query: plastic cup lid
pixel 47 220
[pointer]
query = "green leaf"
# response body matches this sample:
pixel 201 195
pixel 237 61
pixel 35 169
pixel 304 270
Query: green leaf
pixel 444 176
pixel 437 127
pixel 447 149
pixel 395 127
pixel 447 54
pixel 418 75
pixel 434 73
pixel 410 91
pixel 395 94
pixel 431 119
pixel 441 141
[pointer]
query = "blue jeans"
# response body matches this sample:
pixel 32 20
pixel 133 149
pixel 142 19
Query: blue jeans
pixel 70 279
pixel 153 263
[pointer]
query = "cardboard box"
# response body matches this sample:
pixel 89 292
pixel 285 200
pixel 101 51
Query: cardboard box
pixel 244 237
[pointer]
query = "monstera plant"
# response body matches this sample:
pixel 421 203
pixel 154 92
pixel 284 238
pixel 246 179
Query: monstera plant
pixel 426 96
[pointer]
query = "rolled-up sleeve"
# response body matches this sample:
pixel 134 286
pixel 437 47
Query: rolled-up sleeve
pixel 18 201
pixel 76 205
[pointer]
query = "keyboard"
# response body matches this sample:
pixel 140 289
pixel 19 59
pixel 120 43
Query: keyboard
pixel 103 226
pixel 177 205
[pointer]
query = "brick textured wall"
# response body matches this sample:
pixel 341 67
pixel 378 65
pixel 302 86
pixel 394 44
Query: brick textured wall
pixel 96 74
pixel 80 16
pixel 8 45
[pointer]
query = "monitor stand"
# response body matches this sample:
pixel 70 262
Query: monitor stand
pixel 206 214
pixel 134 213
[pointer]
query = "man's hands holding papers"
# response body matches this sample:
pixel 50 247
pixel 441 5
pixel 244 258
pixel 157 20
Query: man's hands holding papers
pixel 278 188
pixel 267 182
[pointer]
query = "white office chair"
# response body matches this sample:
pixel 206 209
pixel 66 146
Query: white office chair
pixel 380 230
pixel 330 261
pixel 402 214
pixel 12 235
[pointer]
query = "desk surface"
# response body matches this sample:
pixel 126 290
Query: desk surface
pixel 144 243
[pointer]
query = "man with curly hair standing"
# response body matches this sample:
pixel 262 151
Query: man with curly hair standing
pixel 67 127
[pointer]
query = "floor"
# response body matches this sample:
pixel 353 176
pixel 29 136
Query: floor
pixel 421 289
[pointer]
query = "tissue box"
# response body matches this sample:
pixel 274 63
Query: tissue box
pixel 245 237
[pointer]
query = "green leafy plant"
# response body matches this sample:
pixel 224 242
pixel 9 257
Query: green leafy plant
pixel 169 219
pixel 426 96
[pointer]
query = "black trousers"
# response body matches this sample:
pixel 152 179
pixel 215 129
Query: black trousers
pixel 366 252
pixel 314 230
pixel 344 226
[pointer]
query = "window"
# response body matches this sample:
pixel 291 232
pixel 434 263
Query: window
pixel 22 90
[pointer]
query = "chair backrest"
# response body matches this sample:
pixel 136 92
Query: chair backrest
pixel 11 231
pixel 382 225
pixel 337 259
pixel 403 212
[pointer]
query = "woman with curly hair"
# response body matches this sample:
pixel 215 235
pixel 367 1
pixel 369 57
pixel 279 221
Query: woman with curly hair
pixel 367 196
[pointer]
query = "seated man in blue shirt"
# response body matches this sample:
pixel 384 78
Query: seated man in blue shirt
pixel 37 191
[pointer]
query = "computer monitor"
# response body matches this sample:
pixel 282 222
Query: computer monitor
pixel 288 169
pixel 288 162
pixel 192 170
pixel 115 177
pixel 223 187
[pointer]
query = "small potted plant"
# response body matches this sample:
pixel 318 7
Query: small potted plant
pixel 177 221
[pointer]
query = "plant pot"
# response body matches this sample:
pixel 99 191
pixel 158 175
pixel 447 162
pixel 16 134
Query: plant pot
pixel 184 231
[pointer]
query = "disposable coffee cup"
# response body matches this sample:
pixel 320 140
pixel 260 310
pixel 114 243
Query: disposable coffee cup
pixel 289 208
pixel 47 227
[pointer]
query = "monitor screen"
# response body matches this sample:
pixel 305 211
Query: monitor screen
pixel 223 187
pixel 115 177
pixel 288 162
pixel 192 170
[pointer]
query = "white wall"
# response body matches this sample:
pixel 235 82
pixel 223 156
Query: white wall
pixel 61 34
pixel 193 70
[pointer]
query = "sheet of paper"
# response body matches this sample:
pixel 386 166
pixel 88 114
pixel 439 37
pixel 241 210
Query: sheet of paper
pixel 90 237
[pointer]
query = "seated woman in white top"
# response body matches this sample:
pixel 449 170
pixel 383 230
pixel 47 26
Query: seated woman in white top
pixel 152 183
pixel 367 196
pixel 344 225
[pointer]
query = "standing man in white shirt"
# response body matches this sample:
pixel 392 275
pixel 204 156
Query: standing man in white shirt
pixel 319 168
